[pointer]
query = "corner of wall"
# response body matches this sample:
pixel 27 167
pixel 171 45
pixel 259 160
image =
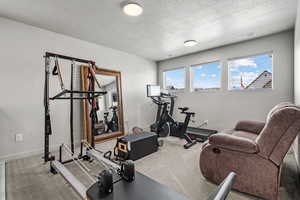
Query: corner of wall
pixel 297 83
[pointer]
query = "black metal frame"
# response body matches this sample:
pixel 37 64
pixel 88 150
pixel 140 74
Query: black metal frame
pixel 90 95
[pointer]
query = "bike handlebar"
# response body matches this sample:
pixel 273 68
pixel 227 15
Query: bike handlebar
pixel 159 102
pixel 165 95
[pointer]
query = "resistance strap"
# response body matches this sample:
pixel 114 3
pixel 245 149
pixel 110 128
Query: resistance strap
pixel 56 71
pixel 92 72
pixel 91 87
pixel 48 124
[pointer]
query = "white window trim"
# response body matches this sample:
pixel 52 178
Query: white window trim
pixel 249 56
pixel 172 69
pixel 192 89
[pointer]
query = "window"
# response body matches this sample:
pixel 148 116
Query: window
pixel 250 73
pixel 174 79
pixel 206 76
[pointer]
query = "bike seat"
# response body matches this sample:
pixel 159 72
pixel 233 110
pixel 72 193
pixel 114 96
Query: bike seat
pixel 183 109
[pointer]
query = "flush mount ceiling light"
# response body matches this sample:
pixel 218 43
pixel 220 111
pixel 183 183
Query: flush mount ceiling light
pixel 132 9
pixel 190 43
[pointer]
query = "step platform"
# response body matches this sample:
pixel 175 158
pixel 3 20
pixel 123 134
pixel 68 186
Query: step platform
pixel 136 146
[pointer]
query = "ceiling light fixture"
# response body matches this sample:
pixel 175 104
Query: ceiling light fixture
pixel 190 43
pixel 132 9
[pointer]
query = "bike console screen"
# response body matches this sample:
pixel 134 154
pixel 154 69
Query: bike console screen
pixel 153 91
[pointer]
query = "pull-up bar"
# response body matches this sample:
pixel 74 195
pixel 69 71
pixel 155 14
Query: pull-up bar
pixel 55 55
pixel 49 54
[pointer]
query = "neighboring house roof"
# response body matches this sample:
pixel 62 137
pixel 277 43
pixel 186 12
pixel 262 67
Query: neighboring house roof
pixel 268 85
pixel 264 80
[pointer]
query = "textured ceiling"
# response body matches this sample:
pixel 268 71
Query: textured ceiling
pixel 159 33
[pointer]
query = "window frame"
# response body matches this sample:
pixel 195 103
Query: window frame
pixel 249 56
pixel 192 89
pixel 184 79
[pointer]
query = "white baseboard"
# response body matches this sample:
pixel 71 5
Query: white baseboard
pixel 24 154
pixel 2 181
pixel 30 153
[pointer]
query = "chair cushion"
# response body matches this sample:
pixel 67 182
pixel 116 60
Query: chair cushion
pixel 250 126
pixel 243 134
pixel 234 143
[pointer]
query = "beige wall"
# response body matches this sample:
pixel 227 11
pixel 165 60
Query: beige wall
pixel 22 78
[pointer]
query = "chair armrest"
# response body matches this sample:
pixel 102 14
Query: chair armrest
pixel 250 126
pixel 234 143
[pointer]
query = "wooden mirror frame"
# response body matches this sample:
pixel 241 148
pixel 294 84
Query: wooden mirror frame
pixel 86 118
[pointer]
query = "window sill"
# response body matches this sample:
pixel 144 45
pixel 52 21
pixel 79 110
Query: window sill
pixel 252 90
pixel 206 90
pixel 176 90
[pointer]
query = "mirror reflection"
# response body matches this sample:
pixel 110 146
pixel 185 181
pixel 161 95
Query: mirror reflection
pixel 107 105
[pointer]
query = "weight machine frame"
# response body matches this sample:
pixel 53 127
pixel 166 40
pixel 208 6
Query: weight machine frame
pixel 90 95
pixel 57 166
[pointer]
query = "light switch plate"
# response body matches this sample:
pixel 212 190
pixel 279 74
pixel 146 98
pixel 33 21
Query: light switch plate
pixel 19 137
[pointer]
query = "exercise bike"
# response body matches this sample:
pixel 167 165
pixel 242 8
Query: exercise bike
pixel 170 108
pixel 113 124
pixel 167 125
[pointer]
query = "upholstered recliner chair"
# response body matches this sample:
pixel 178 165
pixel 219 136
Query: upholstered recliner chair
pixel 254 151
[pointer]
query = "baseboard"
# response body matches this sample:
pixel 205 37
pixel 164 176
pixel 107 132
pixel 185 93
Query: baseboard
pixel 25 154
pixel 30 153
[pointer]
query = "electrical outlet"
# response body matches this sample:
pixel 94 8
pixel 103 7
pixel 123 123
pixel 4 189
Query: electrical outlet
pixel 19 137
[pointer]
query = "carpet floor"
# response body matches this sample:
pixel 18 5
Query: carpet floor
pixel 29 178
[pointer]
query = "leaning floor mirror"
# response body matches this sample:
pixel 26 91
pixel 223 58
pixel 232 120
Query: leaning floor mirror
pixel 109 119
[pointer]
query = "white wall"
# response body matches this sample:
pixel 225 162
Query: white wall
pixel 224 108
pixel 296 77
pixel 22 78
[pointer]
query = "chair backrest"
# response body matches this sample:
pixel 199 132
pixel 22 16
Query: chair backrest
pixel 282 127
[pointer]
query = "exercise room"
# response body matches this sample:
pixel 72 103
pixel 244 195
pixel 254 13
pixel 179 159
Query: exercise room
pixel 150 100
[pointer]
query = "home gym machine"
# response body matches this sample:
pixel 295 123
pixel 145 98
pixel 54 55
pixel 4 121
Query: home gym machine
pixel 67 94
pixel 124 170
pixel 165 125
pixel 162 97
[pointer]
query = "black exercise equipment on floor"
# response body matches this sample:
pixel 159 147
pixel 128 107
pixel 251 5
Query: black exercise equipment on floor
pixel 154 92
pixel 166 125
pixel 136 146
pixel 179 128
pixel 200 134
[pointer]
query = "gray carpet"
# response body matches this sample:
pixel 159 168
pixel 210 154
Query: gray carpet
pixel 178 168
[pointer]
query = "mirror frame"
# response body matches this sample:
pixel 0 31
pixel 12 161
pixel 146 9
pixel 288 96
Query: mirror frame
pixel 87 134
